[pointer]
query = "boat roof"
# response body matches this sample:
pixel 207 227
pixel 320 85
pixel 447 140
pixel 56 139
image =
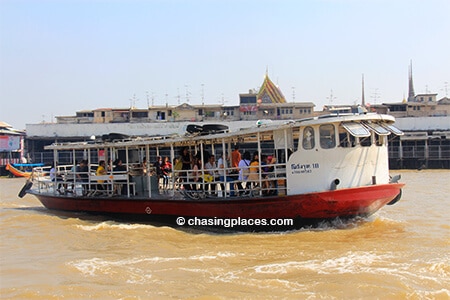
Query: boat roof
pixel 260 127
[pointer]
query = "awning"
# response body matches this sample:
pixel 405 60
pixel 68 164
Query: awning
pixel 356 129
pixel 380 130
pixel 392 129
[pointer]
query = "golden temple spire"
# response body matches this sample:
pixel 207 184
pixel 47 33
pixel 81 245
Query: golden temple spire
pixel 269 92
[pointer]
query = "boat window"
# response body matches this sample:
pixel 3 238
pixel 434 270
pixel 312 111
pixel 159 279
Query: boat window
pixel 393 129
pixel 356 129
pixel 327 136
pixel 377 128
pixel 379 139
pixel 365 141
pixel 346 140
pixel 308 138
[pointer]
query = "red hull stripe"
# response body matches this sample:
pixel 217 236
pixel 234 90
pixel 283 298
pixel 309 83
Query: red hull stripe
pixel 330 204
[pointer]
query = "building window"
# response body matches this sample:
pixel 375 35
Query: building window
pixel 248 99
pixel 140 114
pixel 160 115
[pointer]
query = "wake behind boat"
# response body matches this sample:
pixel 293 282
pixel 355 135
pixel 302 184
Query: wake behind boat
pixel 322 168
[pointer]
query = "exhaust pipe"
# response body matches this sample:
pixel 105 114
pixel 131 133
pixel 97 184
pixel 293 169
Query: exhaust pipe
pixel 334 184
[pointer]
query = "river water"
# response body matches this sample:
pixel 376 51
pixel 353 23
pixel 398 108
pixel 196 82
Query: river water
pixel 402 252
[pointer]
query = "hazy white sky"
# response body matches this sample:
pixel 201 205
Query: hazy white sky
pixel 57 57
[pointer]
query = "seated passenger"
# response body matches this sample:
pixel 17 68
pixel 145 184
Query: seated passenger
pixel 211 175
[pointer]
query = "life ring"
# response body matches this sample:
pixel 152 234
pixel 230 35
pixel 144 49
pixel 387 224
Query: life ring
pixel 25 188
pixel 395 200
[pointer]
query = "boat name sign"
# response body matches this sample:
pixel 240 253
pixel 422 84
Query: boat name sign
pixel 304 168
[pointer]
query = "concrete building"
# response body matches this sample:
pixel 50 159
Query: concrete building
pixel 424 119
pixel 11 146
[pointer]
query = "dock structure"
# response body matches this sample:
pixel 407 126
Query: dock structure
pixel 420 150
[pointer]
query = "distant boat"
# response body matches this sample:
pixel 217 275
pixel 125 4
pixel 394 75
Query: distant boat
pixel 322 168
pixel 15 171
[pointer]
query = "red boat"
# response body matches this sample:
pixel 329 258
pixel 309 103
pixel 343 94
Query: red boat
pixel 300 172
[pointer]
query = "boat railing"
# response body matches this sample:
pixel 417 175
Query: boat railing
pixel 270 180
pixel 66 181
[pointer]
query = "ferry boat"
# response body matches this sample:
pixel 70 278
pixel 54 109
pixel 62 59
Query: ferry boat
pixel 308 170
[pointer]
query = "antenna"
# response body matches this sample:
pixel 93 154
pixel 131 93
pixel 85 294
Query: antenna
pixel 445 89
pixel 293 94
pixel 363 100
pixel 133 101
pixel 331 97
pixel 187 92
pixel 203 94
pixel 375 96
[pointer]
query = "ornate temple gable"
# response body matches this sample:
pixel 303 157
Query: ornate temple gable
pixel 270 93
pixel 185 106
pixel 444 101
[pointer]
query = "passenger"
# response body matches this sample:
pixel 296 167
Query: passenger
pixel 53 173
pixel 244 165
pixel 223 175
pixel 158 163
pixel 144 166
pixel 186 160
pixel 195 174
pixel 119 168
pixel 271 182
pixel 166 168
pixel 56 177
pixel 177 166
pixel 99 172
pixel 211 175
pixel 253 176
pixel 109 165
pixel 82 174
pixel 235 157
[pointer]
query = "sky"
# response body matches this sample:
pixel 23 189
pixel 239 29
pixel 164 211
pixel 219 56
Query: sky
pixel 62 56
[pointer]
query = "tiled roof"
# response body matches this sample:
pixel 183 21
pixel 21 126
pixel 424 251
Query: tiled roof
pixel 270 93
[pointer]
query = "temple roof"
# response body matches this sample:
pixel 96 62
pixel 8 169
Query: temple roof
pixel 270 93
